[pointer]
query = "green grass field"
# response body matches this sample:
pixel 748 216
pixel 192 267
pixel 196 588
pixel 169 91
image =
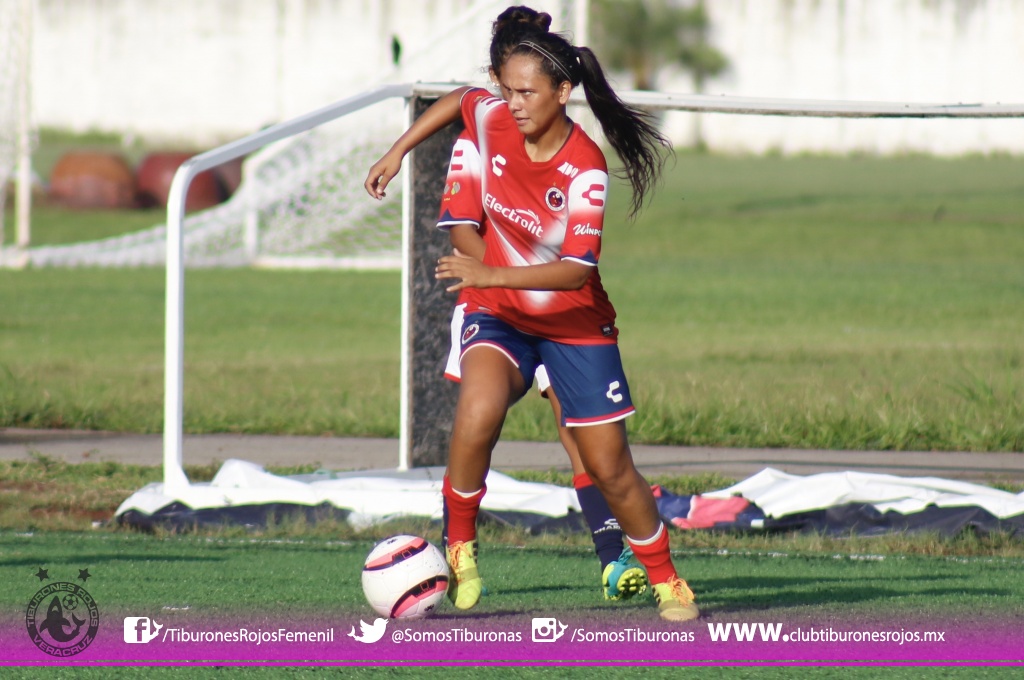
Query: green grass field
pixel 238 575
pixel 800 302
pixel 272 581
pixel 57 516
pixel 808 302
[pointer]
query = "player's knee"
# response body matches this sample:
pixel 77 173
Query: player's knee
pixel 478 422
pixel 611 476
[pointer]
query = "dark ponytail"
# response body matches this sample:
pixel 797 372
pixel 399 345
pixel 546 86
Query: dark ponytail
pixel 629 130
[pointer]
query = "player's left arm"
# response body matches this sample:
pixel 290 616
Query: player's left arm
pixel 441 113
pixel 472 273
pixel 581 248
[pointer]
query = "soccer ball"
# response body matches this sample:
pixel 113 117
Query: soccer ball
pixel 405 577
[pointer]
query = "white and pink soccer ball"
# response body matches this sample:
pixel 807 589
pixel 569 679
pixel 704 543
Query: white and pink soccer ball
pixel 405 577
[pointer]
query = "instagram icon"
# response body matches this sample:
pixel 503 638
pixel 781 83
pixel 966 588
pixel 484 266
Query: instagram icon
pixel 547 629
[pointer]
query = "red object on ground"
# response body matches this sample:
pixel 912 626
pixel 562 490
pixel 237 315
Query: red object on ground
pixel 92 179
pixel 706 512
pixel 154 176
pixel 230 176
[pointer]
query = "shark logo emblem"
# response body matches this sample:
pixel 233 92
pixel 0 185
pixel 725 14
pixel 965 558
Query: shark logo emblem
pixel 56 624
pixel 369 633
pixel 62 619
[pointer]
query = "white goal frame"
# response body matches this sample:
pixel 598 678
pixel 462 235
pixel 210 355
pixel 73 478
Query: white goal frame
pixel 174 475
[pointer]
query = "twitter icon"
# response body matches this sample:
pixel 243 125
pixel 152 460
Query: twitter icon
pixel 369 633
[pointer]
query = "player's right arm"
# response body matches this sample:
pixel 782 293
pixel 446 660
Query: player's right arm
pixel 461 206
pixel 466 239
pixel 441 113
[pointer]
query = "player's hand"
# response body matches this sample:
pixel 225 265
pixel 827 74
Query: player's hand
pixel 382 172
pixel 471 272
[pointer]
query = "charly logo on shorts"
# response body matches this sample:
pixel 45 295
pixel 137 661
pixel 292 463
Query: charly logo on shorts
pixel 62 618
pixel 470 332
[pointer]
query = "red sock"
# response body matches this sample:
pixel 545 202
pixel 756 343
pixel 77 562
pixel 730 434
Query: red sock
pixel 655 557
pixel 581 480
pixel 460 513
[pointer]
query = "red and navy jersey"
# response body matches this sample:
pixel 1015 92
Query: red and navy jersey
pixel 531 213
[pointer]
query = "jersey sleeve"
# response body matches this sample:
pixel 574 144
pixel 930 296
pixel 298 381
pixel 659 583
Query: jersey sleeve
pixel 587 197
pixel 471 111
pixel 480 114
pixel 460 202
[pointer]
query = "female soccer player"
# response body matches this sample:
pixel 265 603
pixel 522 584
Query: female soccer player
pixel 537 297
pixel 622 577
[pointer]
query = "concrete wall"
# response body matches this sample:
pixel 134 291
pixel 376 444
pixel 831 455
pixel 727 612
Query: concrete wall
pixel 933 51
pixel 216 69
pixel 210 70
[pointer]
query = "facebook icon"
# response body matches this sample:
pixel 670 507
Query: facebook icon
pixel 140 629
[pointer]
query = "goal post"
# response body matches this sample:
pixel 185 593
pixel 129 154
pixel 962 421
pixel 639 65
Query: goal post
pixel 426 400
pixel 174 338
pixel 16 127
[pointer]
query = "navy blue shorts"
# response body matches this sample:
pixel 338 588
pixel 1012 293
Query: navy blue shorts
pixel 588 379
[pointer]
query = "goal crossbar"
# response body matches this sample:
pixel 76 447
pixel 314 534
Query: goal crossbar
pixel 173 470
pixel 765 106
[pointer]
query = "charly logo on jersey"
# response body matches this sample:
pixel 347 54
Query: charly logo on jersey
pixel 527 219
pixel 595 195
pixel 497 163
pixel 554 198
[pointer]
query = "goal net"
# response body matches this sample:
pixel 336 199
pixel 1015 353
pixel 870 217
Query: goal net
pixel 298 206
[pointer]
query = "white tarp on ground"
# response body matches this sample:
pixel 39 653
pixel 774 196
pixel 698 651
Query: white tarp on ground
pixel 370 495
pixel 835 502
pixel 779 494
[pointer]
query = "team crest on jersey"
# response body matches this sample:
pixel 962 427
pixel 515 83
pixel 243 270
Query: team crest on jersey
pixel 555 198
pixel 470 332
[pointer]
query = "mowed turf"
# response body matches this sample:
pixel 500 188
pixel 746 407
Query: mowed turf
pixel 200 582
pixel 857 303
pixel 237 576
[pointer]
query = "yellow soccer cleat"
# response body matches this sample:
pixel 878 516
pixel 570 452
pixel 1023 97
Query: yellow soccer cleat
pixel 675 600
pixel 464 584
